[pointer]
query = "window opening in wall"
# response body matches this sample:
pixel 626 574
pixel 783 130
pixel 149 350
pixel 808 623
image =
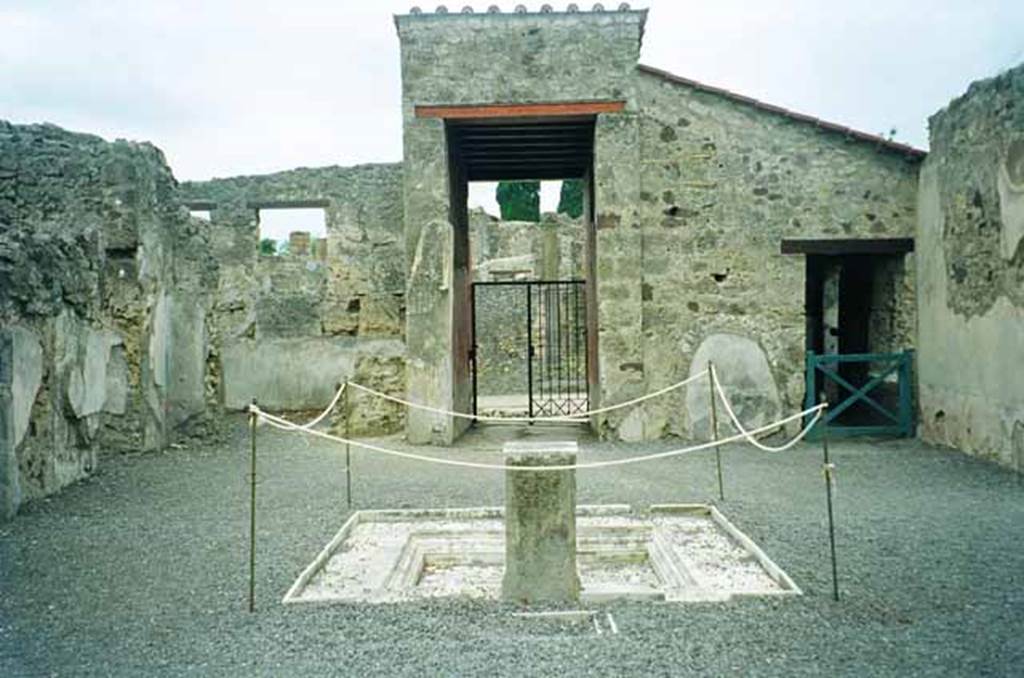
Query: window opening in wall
pixel 292 231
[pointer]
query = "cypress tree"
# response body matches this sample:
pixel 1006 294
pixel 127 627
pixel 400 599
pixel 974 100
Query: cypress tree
pixel 519 200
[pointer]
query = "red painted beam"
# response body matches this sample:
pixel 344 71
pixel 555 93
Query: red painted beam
pixel 520 110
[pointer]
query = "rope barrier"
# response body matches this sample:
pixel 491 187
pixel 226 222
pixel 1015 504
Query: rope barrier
pixel 320 417
pixel 284 424
pixel 576 418
pixel 748 435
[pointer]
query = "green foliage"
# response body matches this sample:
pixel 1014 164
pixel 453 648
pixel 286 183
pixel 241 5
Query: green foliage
pixel 268 247
pixel 570 200
pixel 519 200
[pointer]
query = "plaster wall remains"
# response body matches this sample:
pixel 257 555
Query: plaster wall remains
pixel 971 273
pixel 288 328
pixel 102 302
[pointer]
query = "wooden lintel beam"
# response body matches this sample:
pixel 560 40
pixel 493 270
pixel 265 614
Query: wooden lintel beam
pixel 847 246
pixel 463 112
pixel 286 204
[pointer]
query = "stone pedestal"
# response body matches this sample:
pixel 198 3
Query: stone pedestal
pixel 540 525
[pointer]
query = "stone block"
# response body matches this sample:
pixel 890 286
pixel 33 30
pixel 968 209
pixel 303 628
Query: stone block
pixel 381 315
pixel 26 378
pixel 540 525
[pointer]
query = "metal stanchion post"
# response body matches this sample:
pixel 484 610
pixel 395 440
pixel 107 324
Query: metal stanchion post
pixel 714 431
pixel 348 452
pixel 830 470
pixel 252 509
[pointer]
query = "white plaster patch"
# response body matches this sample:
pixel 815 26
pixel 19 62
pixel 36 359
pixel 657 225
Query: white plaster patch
pixel 26 379
pixel 117 383
pixel 743 369
pixel 1011 199
pixel 678 553
pixel 158 340
pixel 87 385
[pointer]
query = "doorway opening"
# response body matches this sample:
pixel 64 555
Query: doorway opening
pixel 524 335
pixel 530 348
pixel 858 357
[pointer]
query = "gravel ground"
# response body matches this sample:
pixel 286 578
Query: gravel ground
pixel 142 569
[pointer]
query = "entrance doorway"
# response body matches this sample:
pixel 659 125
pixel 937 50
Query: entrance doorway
pixel 529 347
pixel 547 336
pixel 858 357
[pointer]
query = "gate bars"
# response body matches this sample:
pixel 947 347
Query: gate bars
pixel 556 345
pixel 825 369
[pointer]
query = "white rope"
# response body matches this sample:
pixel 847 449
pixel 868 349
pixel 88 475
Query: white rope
pixel 320 417
pixel 576 418
pixel 286 425
pixel 749 435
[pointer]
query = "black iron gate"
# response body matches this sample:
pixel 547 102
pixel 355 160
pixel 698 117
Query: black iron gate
pixel 532 335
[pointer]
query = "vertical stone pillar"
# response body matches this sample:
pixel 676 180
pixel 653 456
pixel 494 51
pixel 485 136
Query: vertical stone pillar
pixel 10 494
pixel 619 271
pixel 430 247
pixel 298 243
pixel 540 525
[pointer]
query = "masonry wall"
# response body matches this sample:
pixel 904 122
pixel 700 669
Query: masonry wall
pixel 287 329
pixel 971 273
pixel 456 59
pixel 103 280
pixel 722 183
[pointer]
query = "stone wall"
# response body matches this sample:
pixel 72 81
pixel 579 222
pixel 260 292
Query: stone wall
pixel 102 303
pixel 722 183
pixel 971 273
pixel 694 190
pixel 454 59
pixel 288 328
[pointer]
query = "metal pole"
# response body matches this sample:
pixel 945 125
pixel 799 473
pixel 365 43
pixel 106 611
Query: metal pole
pixel 472 350
pixel 714 431
pixel 829 478
pixel 348 452
pixel 529 351
pixel 252 510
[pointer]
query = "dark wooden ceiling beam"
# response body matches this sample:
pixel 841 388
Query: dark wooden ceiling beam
pixel 847 246
pixel 482 111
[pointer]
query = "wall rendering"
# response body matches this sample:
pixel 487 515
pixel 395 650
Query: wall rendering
pixel 971 273
pixel 103 280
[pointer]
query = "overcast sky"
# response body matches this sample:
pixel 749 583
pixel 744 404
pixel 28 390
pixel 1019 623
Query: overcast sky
pixel 227 88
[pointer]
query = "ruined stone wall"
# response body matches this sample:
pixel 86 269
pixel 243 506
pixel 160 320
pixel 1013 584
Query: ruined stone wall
pixel 722 183
pixel 102 303
pixel 551 249
pixel 971 273
pixel 289 328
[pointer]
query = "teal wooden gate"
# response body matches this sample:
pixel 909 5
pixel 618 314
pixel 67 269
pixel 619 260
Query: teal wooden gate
pixel 898 421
